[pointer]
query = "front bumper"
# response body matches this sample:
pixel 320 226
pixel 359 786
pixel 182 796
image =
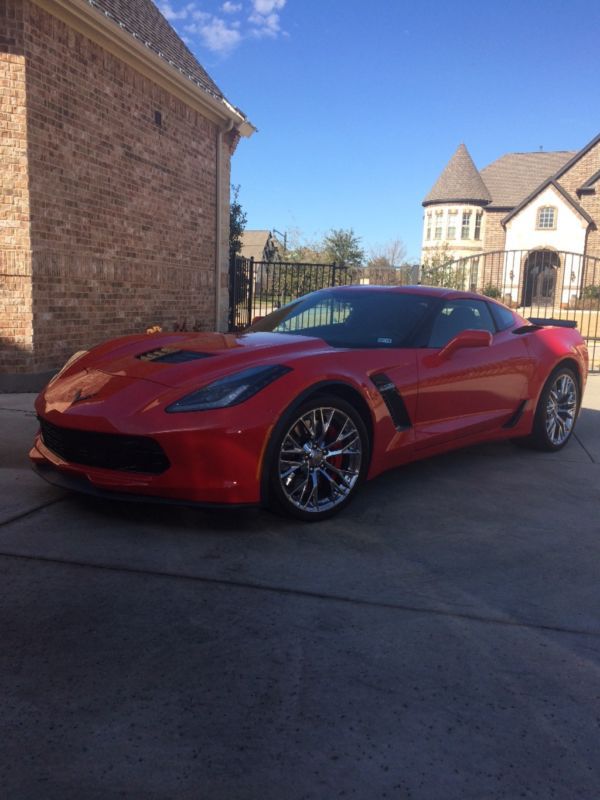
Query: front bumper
pixel 81 484
pixel 220 465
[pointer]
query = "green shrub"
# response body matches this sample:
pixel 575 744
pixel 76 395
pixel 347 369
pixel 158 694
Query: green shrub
pixel 489 290
pixel 591 292
pixel 441 269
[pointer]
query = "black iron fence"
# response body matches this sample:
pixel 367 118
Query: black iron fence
pixel 538 283
pixel 258 287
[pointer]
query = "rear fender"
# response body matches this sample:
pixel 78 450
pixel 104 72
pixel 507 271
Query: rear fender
pixel 550 347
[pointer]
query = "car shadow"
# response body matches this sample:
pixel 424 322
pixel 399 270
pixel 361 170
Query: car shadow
pixel 396 487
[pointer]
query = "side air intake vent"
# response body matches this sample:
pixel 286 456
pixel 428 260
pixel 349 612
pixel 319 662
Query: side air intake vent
pixel 393 400
pixel 555 323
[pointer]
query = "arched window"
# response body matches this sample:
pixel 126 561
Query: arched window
pixel 546 217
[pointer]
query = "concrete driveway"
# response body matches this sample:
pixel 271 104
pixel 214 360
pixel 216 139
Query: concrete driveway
pixel 439 639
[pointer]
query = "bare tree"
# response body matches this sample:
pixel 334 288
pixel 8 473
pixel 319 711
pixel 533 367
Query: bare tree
pixel 301 249
pixel 390 254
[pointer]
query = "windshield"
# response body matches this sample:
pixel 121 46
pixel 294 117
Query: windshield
pixel 351 319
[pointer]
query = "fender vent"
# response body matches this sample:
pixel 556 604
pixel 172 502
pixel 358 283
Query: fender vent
pixel 393 401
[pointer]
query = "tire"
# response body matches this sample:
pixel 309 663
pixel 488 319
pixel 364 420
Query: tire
pixel 318 457
pixel 556 411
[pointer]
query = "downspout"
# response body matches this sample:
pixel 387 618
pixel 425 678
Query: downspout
pixel 219 217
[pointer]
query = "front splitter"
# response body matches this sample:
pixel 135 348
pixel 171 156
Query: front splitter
pixel 82 485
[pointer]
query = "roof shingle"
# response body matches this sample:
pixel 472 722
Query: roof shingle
pixel 259 244
pixel 143 20
pixel 460 181
pixel 514 176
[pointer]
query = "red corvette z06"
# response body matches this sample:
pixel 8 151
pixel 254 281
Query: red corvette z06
pixel 317 397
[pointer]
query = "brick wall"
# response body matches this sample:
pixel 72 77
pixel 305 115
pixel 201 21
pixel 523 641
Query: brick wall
pixel 494 232
pixel 579 173
pixel 123 207
pixel 16 332
pixel 494 239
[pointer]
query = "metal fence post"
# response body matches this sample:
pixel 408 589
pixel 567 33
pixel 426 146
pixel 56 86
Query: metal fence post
pixel 334 267
pixel 250 289
pixel 232 290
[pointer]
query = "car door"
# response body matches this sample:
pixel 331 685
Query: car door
pixel 469 389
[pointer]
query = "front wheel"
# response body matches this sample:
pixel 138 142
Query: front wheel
pixel 319 457
pixel 556 411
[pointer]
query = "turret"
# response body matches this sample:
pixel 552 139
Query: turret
pixel 454 216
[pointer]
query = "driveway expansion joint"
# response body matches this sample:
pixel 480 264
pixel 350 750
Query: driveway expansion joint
pixel 584 448
pixel 284 590
pixel 31 511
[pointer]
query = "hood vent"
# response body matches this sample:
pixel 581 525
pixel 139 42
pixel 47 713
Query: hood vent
pixel 166 355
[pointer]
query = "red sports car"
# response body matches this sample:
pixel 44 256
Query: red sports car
pixel 322 394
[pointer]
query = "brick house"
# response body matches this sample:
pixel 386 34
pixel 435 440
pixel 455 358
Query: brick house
pixel 527 223
pixel 115 149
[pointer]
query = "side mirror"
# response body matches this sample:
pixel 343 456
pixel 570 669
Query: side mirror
pixel 468 338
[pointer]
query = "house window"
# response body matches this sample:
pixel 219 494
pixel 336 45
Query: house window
pixel 466 225
pixel 478 218
pixel 439 224
pixel 428 228
pixel 546 217
pixel 451 229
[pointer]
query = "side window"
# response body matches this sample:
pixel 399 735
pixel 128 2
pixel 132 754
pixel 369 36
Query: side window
pixel 460 315
pixel 503 317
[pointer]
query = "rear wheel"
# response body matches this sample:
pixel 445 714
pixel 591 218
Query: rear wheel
pixel 319 457
pixel 556 411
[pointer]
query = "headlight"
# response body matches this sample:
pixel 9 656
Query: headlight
pixel 75 357
pixel 229 391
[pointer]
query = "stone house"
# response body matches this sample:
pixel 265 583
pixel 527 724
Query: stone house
pixel 527 223
pixel 115 148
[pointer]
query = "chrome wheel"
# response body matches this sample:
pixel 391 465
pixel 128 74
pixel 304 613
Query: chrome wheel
pixel 561 409
pixel 320 459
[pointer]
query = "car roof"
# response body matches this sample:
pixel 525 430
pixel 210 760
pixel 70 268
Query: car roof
pixel 432 291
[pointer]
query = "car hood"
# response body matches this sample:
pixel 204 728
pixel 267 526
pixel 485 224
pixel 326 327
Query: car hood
pixel 177 359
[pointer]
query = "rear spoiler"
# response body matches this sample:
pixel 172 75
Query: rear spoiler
pixel 556 323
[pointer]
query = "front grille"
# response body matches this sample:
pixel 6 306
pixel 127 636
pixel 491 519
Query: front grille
pixel 106 450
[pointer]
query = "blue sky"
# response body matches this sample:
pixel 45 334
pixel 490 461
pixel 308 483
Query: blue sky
pixel 359 105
